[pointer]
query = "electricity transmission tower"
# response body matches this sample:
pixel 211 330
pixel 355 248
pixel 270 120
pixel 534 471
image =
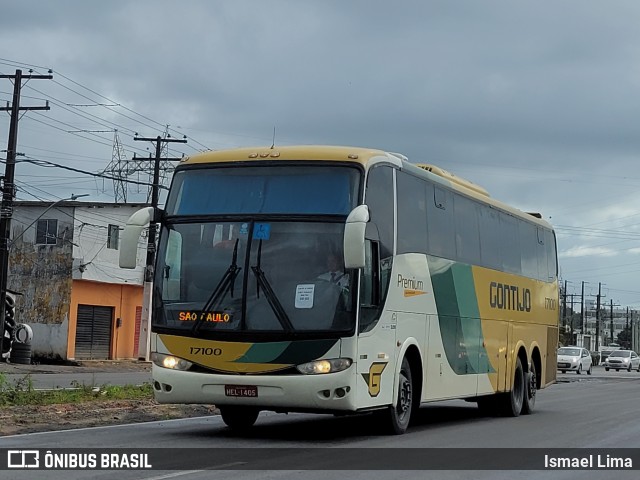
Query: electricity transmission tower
pixel 119 168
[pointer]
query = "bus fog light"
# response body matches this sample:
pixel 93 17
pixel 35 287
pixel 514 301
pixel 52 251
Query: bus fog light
pixel 171 362
pixel 324 366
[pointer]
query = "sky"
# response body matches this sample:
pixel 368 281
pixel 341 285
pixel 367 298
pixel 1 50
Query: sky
pixel 538 102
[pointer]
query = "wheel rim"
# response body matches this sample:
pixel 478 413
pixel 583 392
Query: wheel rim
pixel 404 397
pixel 533 386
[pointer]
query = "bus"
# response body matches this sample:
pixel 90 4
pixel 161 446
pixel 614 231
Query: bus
pixel 443 292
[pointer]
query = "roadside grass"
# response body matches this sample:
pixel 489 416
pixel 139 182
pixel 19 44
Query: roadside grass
pixel 23 393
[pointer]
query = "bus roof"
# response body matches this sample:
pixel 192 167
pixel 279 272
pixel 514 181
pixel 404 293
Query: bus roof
pixel 303 152
pixel 358 155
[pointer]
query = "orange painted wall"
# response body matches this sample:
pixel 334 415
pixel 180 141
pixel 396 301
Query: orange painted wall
pixel 123 298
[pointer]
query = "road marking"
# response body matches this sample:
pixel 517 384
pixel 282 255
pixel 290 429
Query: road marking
pixel 173 475
pixel 189 472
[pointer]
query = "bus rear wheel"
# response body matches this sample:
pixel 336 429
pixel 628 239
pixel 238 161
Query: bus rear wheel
pixel 398 416
pixel 239 418
pixel 512 402
pixel 530 390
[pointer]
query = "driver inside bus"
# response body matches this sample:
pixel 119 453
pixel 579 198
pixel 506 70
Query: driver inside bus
pixel 335 272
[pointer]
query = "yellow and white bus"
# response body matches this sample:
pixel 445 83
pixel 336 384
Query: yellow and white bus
pixel 441 292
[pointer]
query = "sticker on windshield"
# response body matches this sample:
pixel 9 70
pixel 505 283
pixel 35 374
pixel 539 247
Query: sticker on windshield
pixel 244 229
pixel 262 231
pixel 304 295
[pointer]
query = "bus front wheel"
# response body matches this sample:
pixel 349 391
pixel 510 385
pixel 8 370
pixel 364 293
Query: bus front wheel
pixel 400 414
pixel 239 418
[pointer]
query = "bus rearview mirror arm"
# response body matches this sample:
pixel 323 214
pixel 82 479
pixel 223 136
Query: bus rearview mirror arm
pixel 354 231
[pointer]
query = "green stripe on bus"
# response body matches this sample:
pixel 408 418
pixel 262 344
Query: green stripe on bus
pixel 459 317
pixel 290 353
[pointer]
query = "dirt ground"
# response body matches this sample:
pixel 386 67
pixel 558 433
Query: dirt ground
pixel 44 418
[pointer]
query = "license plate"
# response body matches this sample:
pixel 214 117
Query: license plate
pixel 241 390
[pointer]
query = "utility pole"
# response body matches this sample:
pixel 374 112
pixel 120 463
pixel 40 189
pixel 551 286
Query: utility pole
pixel 8 186
pixel 564 308
pixel 582 313
pixel 598 316
pixel 571 322
pixel 145 321
pixel 611 315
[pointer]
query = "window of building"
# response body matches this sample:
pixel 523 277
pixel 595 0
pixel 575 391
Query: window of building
pixel 113 235
pixel 47 232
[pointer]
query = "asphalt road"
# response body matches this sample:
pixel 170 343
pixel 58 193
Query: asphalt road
pixel 598 411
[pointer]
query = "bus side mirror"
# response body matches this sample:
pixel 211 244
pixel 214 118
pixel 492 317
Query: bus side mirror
pixel 354 229
pixel 131 234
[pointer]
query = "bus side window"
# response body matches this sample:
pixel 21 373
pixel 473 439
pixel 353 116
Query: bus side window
pixel 370 287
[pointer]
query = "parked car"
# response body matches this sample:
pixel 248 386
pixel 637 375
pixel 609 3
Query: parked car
pixel 622 360
pixel 575 359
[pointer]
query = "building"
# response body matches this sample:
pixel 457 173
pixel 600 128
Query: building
pixel 63 262
pixel 611 322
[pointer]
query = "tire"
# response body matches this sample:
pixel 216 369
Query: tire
pixel 512 401
pixel 564 371
pixel 20 353
pixel 530 391
pixel 639 367
pixel 590 371
pixel 606 369
pixel 617 369
pixel 239 418
pixel 399 416
pixel 579 371
pixel 629 369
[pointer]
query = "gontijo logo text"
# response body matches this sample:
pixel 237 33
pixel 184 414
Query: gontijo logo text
pixel 509 297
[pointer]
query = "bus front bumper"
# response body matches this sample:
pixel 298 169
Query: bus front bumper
pixel 334 391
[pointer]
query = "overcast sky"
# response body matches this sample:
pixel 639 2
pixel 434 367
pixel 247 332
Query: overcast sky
pixel 539 102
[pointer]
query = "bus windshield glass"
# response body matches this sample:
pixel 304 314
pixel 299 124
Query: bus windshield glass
pixel 279 277
pixel 256 249
pixel 264 190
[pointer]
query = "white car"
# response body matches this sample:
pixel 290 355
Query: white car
pixel 574 359
pixel 622 360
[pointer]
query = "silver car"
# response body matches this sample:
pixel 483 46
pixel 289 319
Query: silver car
pixel 622 360
pixel 574 359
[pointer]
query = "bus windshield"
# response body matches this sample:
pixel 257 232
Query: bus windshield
pixel 231 258
pixel 284 277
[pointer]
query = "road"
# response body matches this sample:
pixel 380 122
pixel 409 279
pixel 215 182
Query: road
pixel 599 411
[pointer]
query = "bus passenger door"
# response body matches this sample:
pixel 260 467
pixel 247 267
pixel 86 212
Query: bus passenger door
pixel 376 334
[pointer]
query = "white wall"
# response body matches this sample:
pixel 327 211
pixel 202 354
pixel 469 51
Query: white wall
pixel 92 259
pixel 50 340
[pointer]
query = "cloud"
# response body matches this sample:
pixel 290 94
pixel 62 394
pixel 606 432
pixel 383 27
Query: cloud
pixel 585 251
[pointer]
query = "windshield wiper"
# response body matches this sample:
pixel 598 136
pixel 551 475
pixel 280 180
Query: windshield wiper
pixel 224 285
pixel 272 298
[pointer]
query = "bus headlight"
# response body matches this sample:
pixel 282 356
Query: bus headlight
pixel 169 361
pixel 324 366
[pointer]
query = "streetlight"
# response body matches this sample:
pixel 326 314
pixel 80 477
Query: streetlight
pixel 72 197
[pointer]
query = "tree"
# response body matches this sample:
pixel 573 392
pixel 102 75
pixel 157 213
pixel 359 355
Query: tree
pixel 624 337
